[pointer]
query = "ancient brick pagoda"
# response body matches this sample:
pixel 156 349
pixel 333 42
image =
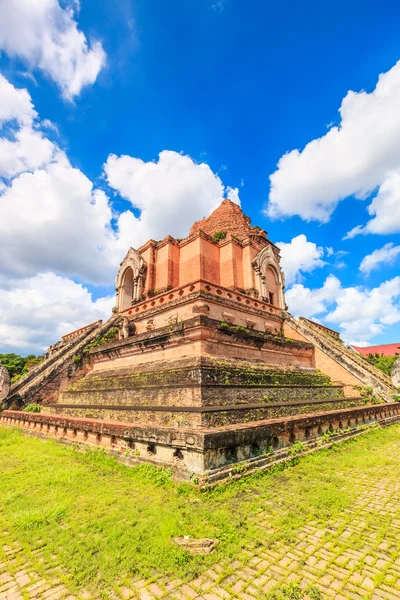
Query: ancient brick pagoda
pixel 208 368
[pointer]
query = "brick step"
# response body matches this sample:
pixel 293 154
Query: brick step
pixel 166 379
pixel 197 416
pixel 196 395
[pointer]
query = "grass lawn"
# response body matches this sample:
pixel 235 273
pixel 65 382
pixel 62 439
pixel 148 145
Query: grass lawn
pixel 104 522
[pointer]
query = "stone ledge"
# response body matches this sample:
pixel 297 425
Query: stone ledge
pixel 204 409
pixel 300 424
pixel 163 334
pixel 210 454
pixel 287 455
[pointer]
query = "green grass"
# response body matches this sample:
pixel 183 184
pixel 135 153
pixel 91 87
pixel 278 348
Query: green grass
pixel 101 521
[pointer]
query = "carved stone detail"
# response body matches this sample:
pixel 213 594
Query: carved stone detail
pixel 127 328
pixel 395 374
pixel 150 325
pixel 228 318
pixel 250 324
pixel 201 308
pixel 173 320
pixel 4 383
pixel 264 259
pixel 130 279
pixel 269 328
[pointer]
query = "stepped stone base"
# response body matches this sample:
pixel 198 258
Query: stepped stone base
pixel 208 454
pixel 208 370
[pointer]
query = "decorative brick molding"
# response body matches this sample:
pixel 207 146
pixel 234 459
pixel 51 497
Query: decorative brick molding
pixel 73 334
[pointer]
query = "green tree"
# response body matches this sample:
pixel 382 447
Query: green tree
pixel 382 362
pixel 17 365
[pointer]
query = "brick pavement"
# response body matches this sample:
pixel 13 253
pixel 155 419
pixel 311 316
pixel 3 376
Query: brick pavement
pixel 357 556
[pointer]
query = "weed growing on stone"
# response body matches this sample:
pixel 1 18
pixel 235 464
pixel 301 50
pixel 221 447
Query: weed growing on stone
pixel 297 448
pixel 293 591
pixel 32 407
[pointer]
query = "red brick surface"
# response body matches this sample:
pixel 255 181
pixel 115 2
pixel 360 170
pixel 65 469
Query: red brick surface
pixel 227 217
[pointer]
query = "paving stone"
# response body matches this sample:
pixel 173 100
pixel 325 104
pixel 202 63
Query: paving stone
pixel 155 590
pixel 23 579
pixel 368 584
pixel 239 585
pixel 127 593
pixel 220 593
pixel 188 591
pixel 342 559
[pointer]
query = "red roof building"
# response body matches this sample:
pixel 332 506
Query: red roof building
pixel 385 349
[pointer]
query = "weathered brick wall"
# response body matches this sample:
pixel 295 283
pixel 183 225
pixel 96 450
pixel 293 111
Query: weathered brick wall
pixel 49 393
pixel 327 365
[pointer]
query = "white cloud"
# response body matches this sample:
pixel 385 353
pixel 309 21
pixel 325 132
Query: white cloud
pixel 358 312
pixel 15 103
pixel 384 208
pixel 24 147
pixel 35 312
pixel 233 194
pixel 52 218
pixel 353 158
pixel 26 150
pixel 300 256
pixel 362 313
pixel 304 302
pixel 46 36
pixel 385 255
pixel 171 193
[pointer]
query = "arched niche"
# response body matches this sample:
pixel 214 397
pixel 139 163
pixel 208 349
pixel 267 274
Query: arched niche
pixel 130 280
pixel 270 280
pixel 126 290
pixel 272 285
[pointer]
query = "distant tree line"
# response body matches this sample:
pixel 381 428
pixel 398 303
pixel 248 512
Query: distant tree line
pixel 17 365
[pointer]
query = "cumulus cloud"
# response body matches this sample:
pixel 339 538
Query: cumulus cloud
pixel 300 256
pixel 24 147
pixel 25 150
pixel 352 158
pixel 37 311
pixel 170 193
pixel 15 104
pixel 385 255
pixel 358 312
pixel 46 36
pixel 304 302
pixel 52 217
pixel 384 209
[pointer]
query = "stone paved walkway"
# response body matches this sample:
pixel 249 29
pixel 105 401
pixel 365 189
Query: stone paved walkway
pixel 357 556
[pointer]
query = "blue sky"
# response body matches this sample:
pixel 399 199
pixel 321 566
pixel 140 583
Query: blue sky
pixel 231 84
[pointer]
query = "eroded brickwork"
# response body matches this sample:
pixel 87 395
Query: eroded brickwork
pixel 228 217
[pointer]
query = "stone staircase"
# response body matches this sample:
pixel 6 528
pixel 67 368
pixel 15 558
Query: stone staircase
pixel 200 393
pixel 369 375
pixel 23 390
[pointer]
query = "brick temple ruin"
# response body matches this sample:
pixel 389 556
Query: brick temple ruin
pixel 208 370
